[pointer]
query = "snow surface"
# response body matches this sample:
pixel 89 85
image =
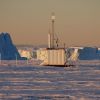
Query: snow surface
pixel 80 82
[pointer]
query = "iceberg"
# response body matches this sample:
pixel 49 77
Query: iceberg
pixel 8 50
pixel 89 53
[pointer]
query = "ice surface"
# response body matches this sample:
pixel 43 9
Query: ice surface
pixel 80 82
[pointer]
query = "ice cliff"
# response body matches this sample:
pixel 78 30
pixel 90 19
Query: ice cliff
pixel 89 53
pixel 8 51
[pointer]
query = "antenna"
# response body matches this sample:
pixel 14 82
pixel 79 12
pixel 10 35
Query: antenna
pixel 53 21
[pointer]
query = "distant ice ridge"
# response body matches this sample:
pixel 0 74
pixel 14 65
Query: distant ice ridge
pixel 87 53
pixel 8 51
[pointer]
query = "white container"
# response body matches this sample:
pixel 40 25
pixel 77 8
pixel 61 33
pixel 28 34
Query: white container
pixel 52 56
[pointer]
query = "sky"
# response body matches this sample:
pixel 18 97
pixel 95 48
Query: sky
pixel 77 22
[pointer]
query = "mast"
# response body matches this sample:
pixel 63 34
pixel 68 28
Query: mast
pixel 52 35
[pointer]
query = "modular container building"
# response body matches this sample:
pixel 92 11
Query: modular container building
pixel 51 57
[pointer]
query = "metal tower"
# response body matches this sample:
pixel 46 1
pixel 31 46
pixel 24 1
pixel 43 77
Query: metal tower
pixel 53 31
